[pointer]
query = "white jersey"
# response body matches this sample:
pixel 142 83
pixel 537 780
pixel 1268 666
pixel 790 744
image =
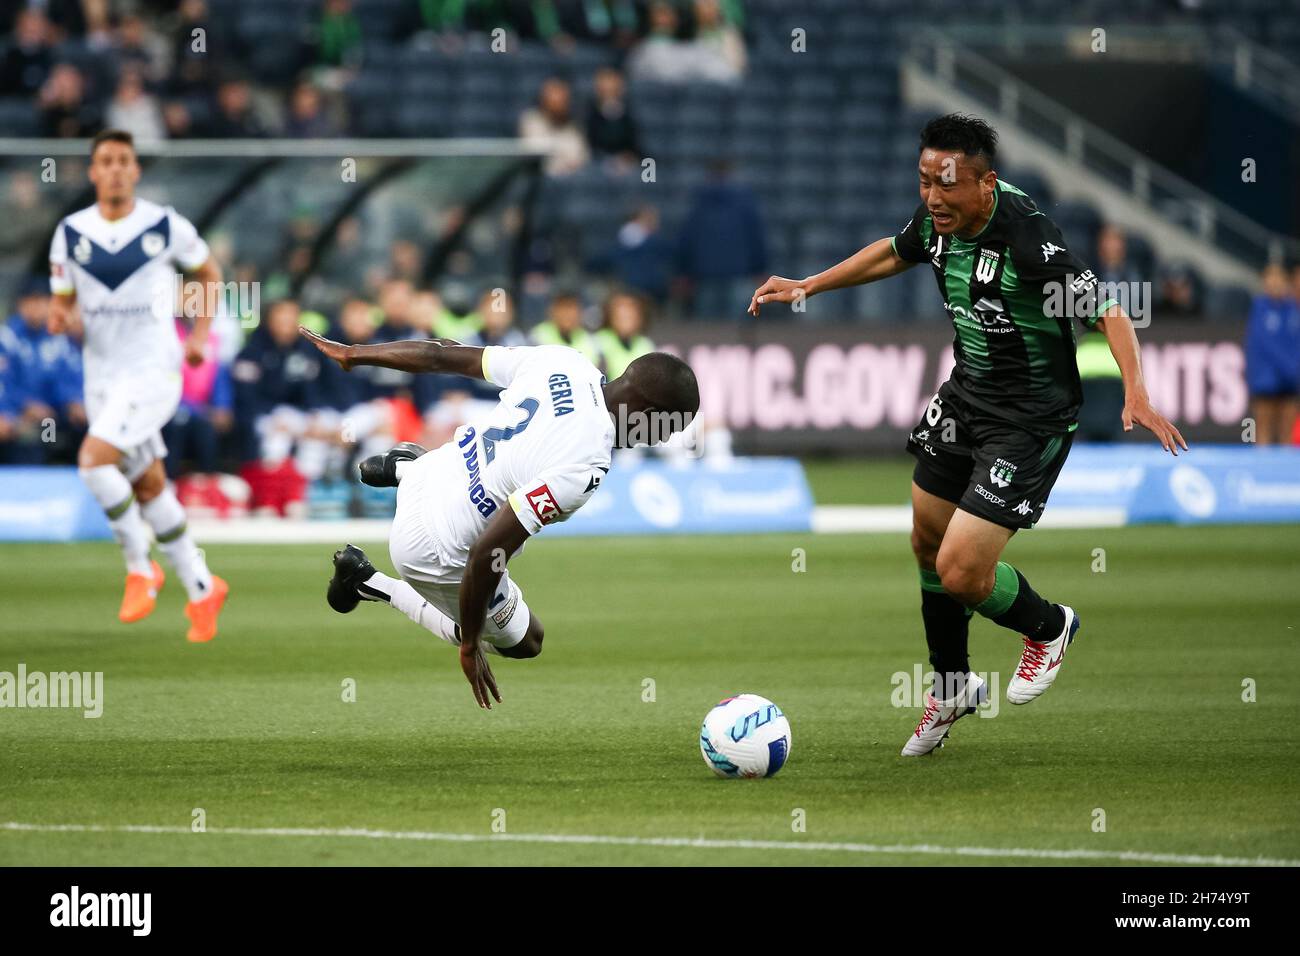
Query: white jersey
pixel 123 273
pixel 542 451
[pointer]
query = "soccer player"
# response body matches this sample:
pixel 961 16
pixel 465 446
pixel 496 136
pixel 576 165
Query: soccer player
pixel 117 262
pixel 466 508
pixel 992 441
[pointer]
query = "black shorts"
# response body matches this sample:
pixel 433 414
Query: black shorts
pixel 985 465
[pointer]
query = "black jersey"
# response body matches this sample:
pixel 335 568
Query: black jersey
pixel 1010 291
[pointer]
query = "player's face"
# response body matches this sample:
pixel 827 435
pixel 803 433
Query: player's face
pixel 955 190
pixel 114 171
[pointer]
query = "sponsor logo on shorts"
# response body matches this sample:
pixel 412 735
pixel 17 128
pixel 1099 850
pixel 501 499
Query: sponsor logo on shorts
pixel 1001 471
pixel 543 504
pixel 502 617
pixel 990 496
pixel 1023 508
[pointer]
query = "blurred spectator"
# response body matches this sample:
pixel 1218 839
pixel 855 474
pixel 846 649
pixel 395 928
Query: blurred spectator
pixel 611 131
pixel 195 53
pixel 1273 359
pixel 177 120
pixel 642 259
pixel 206 412
pixel 722 249
pixel 25 223
pixel 133 109
pixel 451 401
pixel 27 60
pixel 42 390
pixel 134 44
pixel 308 118
pixel 563 326
pixel 1103 390
pixel 338 36
pixel 360 416
pixel 496 309
pixel 719 48
pixel 549 126
pixel 1179 293
pixel 622 337
pixel 397 304
pixel 235 117
pixel 661 57
pixel 64 109
pixel 277 386
pixel 406 260
pixel 1113 264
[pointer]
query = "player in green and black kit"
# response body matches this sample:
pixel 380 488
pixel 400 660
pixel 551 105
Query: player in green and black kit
pixel 992 441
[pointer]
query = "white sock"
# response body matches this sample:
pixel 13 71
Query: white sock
pixel 399 594
pixel 167 518
pixel 400 469
pixel 114 494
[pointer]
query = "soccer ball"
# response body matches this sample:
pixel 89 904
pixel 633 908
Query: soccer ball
pixel 745 736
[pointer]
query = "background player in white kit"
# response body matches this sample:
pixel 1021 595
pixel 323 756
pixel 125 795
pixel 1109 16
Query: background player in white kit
pixel 116 261
pixel 463 510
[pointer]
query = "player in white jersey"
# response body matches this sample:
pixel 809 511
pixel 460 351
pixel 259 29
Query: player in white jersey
pixel 116 262
pixel 465 509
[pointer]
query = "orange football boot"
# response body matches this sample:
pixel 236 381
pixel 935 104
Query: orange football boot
pixel 141 594
pixel 203 614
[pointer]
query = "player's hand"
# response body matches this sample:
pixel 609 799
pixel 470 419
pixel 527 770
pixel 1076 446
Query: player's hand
pixel 329 348
pixel 776 289
pixel 196 348
pixel 59 314
pixel 473 661
pixel 1139 410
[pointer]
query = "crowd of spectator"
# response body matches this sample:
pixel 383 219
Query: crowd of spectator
pixel 83 65
pixel 267 405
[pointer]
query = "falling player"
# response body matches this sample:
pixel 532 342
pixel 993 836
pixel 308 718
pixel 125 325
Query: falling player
pixel 117 262
pixel 466 508
pixel 992 441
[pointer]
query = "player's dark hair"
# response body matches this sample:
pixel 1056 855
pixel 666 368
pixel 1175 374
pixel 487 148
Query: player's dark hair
pixel 111 136
pixel 961 132
pixel 665 382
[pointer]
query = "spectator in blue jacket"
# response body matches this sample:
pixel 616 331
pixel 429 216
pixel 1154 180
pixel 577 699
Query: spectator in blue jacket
pixel 277 379
pixel 722 249
pixel 1273 359
pixel 43 381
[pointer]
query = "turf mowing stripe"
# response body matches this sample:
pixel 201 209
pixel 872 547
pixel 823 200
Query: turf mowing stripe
pixel 1122 856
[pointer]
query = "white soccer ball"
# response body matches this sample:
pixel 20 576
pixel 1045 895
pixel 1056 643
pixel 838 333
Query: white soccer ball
pixel 745 736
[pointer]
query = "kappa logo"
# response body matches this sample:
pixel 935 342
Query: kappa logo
pixel 543 504
pixel 990 496
pixel 1050 249
pixel 82 250
pixel 1023 508
pixel 1000 472
pixel 987 266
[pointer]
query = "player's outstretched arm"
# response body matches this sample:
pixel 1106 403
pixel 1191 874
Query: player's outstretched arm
pixel 408 355
pixel 876 261
pixel 503 536
pixel 1118 329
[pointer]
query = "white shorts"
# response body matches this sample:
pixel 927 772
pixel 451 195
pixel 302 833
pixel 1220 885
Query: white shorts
pixel 426 565
pixel 129 414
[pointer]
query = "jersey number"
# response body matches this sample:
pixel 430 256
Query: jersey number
pixel 494 435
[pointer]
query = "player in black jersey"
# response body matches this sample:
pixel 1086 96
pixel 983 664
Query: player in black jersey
pixel 992 441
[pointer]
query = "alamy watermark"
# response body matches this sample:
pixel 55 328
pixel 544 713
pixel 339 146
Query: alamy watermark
pixel 1080 297
pixel 77 690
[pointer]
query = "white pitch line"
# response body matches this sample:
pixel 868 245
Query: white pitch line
pixel 1121 856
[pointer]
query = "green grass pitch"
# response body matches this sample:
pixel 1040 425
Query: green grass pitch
pixel 1147 723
